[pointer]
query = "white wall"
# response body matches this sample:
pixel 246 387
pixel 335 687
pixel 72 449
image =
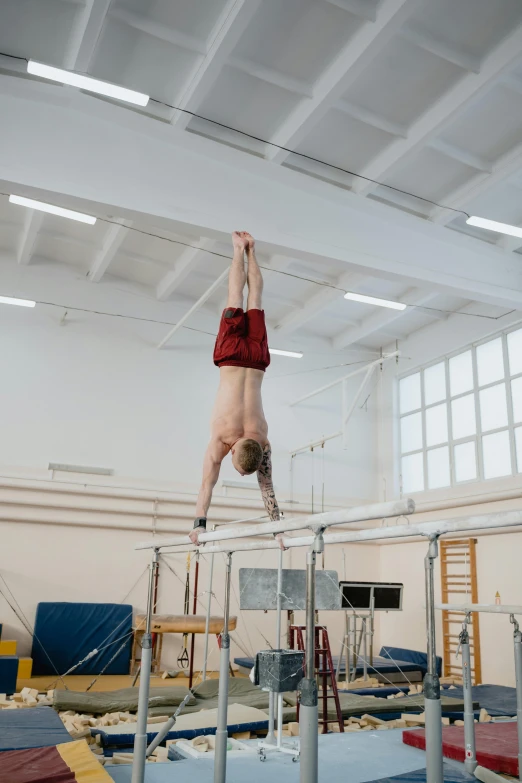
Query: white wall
pixel 95 391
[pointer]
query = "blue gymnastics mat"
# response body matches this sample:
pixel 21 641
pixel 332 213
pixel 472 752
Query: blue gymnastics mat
pixel 39 727
pixel 496 699
pixel 66 632
pixel 371 756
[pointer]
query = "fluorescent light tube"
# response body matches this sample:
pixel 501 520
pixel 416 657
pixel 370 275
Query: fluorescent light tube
pixel 493 225
pixel 87 83
pixel 52 209
pixel 374 300
pixel 20 302
pixel 293 354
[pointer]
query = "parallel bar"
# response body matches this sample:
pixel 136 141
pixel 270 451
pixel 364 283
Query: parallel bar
pixel 313 444
pixel 489 608
pixel 220 754
pixel 432 702
pixel 394 508
pixel 380 360
pixel 140 738
pixel 502 519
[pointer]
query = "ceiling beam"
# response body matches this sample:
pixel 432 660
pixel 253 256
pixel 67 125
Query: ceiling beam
pixel 441 49
pixel 381 319
pixel 111 244
pixel 318 302
pixel 272 76
pixel 469 88
pixel 32 224
pixel 370 118
pixel 502 170
pixel 361 8
pixel 461 155
pixel 229 28
pixel 335 80
pixel 54 147
pixel 85 34
pixel 185 264
pixel 156 30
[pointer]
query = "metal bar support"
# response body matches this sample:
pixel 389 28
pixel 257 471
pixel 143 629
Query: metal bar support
pixel 433 710
pixel 470 759
pixel 220 757
pixel 308 714
pixel 207 618
pixel 140 739
pixel 517 638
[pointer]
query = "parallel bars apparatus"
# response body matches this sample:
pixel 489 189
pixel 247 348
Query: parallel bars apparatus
pixel 316 542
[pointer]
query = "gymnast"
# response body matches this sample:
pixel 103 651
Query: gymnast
pixel 238 422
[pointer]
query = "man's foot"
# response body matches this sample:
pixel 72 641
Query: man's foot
pixel 251 242
pixel 239 240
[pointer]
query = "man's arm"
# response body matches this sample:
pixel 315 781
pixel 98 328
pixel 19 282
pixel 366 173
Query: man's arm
pixel 264 477
pixel 211 467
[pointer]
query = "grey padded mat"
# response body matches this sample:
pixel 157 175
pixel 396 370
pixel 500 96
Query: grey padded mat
pixel 124 700
pixel 258 589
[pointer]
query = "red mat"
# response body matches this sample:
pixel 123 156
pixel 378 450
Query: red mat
pixel 497 745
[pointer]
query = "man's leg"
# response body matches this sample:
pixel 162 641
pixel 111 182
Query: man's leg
pixel 237 276
pixel 254 278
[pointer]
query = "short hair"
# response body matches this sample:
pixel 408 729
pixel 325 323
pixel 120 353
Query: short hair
pixel 249 455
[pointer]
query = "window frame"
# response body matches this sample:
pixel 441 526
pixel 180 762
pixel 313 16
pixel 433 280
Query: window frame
pixel 478 436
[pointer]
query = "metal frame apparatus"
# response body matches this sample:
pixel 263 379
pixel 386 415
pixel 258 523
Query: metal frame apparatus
pixel 346 410
pixel 470 761
pixel 309 702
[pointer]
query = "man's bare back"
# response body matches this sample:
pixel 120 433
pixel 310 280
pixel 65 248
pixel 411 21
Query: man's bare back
pixel 238 424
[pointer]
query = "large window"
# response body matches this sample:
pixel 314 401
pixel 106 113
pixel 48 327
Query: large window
pixel 461 417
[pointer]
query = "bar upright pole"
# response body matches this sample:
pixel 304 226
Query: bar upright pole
pixel 308 715
pixel 517 638
pixel 433 709
pixel 207 618
pixel 140 739
pixel 470 760
pixel 220 756
pixel 279 600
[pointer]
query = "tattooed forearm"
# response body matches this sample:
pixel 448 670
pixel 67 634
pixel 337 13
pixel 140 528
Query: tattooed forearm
pixel 264 477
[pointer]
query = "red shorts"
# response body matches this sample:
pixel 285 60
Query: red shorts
pixel 242 340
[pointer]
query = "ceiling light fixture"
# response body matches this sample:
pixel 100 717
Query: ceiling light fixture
pixel 86 83
pixel 493 225
pixel 20 302
pixel 52 209
pixel 292 354
pixel 374 300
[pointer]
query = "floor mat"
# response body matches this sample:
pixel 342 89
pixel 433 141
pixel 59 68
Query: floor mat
pixel 497 745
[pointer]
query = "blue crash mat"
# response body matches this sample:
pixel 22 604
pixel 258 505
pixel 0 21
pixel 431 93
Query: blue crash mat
pixel 380 665
pixel 39 727
pixel 66 632
pixel 496 699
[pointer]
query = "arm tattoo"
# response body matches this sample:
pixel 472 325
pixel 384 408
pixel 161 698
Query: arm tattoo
pixel 264 477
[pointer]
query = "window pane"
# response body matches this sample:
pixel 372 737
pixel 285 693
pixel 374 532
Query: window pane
pixel 465 462
pixel 412 473
pixel 461 373
pixel 514 341
pixel 496 455
pixel 438 468
pixel 493 407
pixel 410 393
pixel 435 383
pixel 411 432
pixel 436 425
pixel 518 444
pixel 463 419
pixel 490 362
pixel 516 394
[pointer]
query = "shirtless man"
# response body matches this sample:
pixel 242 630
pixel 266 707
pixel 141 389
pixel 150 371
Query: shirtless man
pixel 238 422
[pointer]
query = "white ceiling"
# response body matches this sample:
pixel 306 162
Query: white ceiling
pixel 424 95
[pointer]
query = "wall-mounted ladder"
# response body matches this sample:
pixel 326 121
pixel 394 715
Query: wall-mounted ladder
pixel 458 570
